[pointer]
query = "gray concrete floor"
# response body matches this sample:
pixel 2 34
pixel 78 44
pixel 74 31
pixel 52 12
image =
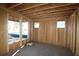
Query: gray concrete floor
pixel 40 49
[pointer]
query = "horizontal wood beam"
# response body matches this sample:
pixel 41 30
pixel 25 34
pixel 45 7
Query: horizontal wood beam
pixel 13 5
pixel 3 5
pixel 56 14
pixel 54 10
pixel 50 16
pixel 44 7
pixel 28 6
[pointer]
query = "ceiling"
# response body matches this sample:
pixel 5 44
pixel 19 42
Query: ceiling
pixel 41 10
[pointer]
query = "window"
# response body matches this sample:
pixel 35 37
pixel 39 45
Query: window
pixel 25 30
pixel 60 24
pixel 36 25
pixel 13 32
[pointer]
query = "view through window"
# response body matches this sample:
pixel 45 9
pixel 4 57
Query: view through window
pixel 60 24
pixel 36 25
pixel 14 31
pixel 25 30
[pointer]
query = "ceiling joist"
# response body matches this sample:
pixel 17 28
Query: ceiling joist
pixel 45 7
pixel 53 10
pixel 35 10
pixel 28 6
pixel 63 13
pixel 13 5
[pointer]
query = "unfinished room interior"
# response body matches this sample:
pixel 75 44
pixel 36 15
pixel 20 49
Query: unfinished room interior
pixel 39 29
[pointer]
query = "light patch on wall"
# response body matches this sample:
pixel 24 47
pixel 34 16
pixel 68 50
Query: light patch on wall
pixel 60 24
pixel 36 25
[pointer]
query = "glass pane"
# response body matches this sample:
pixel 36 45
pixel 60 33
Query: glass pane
pixel 36 25
pixel 25 30
pixel 13 32
pixel 60 24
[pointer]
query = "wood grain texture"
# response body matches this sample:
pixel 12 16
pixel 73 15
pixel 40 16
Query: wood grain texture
pixel 49 33
pixel 3 32
pixel 47 15
pixel 71 32
pixel 77 34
